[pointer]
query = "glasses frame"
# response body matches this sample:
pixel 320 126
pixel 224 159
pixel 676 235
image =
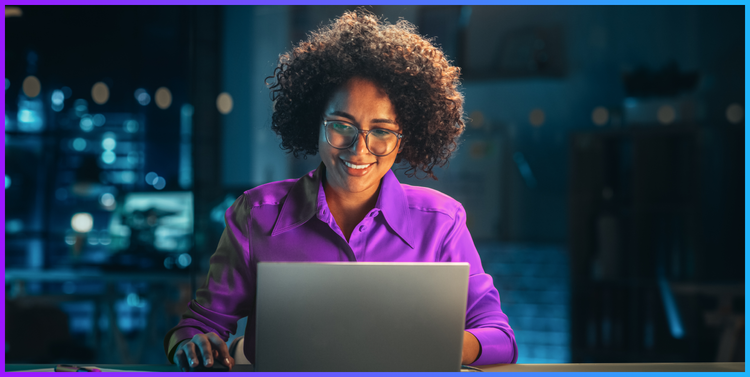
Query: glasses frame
pixel 354 140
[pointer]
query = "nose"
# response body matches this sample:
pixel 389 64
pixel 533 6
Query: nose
pixel 360 146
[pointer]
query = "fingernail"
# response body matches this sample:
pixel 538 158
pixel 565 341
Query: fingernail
pixel 192 361
pixel 226 361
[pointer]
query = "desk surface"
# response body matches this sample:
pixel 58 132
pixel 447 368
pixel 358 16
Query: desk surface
pixel 614 367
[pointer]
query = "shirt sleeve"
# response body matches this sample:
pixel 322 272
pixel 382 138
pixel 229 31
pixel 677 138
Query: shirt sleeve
pixel 484 316
pixel 228 293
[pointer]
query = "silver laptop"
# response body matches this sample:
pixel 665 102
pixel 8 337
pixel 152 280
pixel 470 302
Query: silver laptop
pixel 360 316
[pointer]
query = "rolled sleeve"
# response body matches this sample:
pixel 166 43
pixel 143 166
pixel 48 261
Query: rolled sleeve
pixel 228 293
pixel 484 316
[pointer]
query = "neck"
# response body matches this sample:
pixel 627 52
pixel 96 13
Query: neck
pixel 348 208
pixel 350 202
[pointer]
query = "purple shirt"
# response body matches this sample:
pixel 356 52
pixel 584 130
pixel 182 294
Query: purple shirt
pixel 289 221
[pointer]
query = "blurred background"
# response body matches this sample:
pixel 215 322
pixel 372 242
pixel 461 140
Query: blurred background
pixel 601 169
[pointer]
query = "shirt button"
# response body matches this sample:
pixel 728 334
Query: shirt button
pixel 362 228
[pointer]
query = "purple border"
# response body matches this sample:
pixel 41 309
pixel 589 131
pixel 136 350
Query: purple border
pixel 379 2
pixel 2 201
pixel 336 2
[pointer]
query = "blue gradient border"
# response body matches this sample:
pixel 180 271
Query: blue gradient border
pixel 391 2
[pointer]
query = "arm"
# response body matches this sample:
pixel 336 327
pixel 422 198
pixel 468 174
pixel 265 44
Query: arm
pixel 485 319
pixel 228 293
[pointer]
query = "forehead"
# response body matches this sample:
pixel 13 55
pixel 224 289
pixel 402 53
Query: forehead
pixel 361 97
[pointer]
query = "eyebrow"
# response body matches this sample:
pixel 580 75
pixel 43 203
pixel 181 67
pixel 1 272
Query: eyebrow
pixel 350 117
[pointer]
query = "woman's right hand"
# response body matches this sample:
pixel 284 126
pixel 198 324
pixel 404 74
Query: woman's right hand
pixel 208 347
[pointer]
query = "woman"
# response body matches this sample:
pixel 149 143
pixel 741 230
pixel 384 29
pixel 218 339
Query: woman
pixel 365 95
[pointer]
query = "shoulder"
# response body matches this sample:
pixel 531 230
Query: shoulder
pixel 424 199
pixel 272 193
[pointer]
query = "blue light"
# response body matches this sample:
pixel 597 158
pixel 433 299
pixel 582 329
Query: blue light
pixel 87 124
pixel 187 110
pixel 30 115
pixel 525 170
pixel 109 143
pixel 7 181
pixel 108 157
pixel 184 260
pixel 670 306
pixel 99 120
pixel 7 83
pixel 81 107
pixel 142 97
pixel 160 183
pixel 131 126
pixel 631 102
pixel 151 178
pixel 57 97
pixel 127 176
pixel 133 299
pixel 79 144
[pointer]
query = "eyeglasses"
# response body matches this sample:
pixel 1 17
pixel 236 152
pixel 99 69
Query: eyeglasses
pixel 342 135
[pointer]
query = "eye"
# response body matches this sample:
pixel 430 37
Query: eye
pixel 381 133
pixel 341 127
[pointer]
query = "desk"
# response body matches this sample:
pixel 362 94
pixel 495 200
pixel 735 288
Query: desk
pixel 615 367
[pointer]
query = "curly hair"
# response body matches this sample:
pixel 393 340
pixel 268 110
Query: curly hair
pixel 420 82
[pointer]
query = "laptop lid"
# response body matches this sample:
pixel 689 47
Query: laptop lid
pixel 360 316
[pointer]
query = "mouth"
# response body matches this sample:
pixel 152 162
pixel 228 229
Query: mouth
pixel 357 166
pixel 357 170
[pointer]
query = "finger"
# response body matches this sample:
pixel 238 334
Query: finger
pixel 223 351
pixel 205 349
pixel 180 358
pixel 191 354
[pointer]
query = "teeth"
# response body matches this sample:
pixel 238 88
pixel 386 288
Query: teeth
pixel 356 166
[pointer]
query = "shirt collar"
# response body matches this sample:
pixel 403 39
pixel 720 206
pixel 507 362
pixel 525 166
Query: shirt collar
pixel 306 198
pixel 301 203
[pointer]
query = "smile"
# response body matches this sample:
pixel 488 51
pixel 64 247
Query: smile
pixel 353 166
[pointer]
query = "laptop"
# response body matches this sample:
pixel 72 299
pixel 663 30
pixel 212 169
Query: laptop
pixel 360 317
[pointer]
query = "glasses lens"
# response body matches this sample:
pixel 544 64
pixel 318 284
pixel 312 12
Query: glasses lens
pixel 340 135
pixel 381 142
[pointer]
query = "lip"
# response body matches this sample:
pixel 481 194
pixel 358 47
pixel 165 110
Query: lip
pixel 356 172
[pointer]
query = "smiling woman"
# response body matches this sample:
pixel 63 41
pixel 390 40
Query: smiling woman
pixel 365 95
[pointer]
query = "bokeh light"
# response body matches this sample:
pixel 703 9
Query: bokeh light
pixel 82 222
pixel 160 183
pixel 86 123
pixel 108 157
pixel 79 144
pixel 600 115
pixel 666 114
pixel 536 117
pixel 163 98
pixel 99 120
pixel 142 97
pixel 735 113
pixel 31 86
pixel 151 178
pixel 100 93
pixel 224 103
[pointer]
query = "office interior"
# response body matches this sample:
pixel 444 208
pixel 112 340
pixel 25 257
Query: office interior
pixel 601 169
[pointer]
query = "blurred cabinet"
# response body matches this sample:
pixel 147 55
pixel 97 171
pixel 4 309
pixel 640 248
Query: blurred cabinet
pixel 652 207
